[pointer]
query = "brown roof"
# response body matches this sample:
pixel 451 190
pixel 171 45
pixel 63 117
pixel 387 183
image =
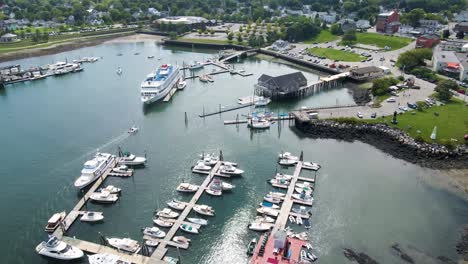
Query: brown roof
pixel 366 70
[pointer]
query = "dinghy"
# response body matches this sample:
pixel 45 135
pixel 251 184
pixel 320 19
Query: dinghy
pixel 92 217
pixel 251 246
pixel 292 220
pixel 189 228
pixel 299 220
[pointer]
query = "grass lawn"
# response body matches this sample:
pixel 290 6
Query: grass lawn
pixel 452 122
pixel 381 41
pixel 324 36
pixel 334 54
pixel 205 40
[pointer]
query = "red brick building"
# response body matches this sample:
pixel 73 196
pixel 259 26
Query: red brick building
pixel 427 41
pixel 388 22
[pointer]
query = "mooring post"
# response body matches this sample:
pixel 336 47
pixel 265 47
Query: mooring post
pixel 203 111
pixel 186 118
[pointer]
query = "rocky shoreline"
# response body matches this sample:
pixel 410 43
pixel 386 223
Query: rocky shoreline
pixel 390 140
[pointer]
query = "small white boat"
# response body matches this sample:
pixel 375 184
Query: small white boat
pixel 230 170
pixel 131 160
pixel 187 187
pixel 227 186
pixel 277 194
pixel 189 228
pixel 201 166
pixel 92 217
pixel 214 192
pixel 258 123
pixel 302 236
pixel 154 232
pixel 54 221
pixel 162 222
pixel 292 220
pixel 299 220
pixel 104 197
pixel 259 226
pixel 174 204
pixel 271 205
pixel 198 221
pixel 287 162
pixel 167 213
pixel 111 189
pixel 268 211
pixel 133 130
pixel 287 155
pixel 262 101
pixel 209 160
pixel 181 240
pixel 280 183
pixel 204 210
pixel 151 243
pixel 305 185
pixel 264 219
pixel 54 248
pixel 306 191
pixel 124 244
pixel 105 258
pixel 122 169
pixel 302 197
pixel 272 199
pixel 181 85
pixel 311 166
pixel 196 65
pixel 281 176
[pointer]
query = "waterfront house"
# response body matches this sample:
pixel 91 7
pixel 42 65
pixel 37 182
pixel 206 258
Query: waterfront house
pixel 8 38
pixel 366 73
pixel 282 86
pixel 388 22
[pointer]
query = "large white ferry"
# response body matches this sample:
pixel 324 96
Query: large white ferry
pixel 93 169
pixel 158 84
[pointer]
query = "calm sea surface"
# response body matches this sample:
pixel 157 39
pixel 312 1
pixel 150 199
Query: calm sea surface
pixel 365 199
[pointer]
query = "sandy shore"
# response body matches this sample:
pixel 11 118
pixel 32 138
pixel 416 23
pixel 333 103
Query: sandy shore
pixel 135 38
pixel 458 178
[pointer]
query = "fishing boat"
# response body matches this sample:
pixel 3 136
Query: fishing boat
pixel 182 240
pixel 131 160
pixel 268 211
pixel 264 219
pixel 187 187
pixel 105 258
pixel 189 228
pixel 287 155
pixel 181 85
pixel 104 197
pixel 167 213
pixel 122 169
pixel 251 247
pixel 230 170
pixel 287 162
pixel 110 188
pixel 256 123
pixel 151 243
pixel 272 199
pixel 204 210
pixel 201 166
pixel 196 65
pixel 162 222
pixel 93 169
pixel 311 166
pixel 198 221
pixel 92 217
pixel 260 226
pixel 292 220
pixel 159 83
pixel 153 232
pixel 133 130
pixel 174 204
pixel 124 244
pixel 54 221
pixel 262 101
pixel 54 248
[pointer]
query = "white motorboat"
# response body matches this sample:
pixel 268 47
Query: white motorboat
pixel 105 258
pixel 302 236
pixel 262 101
pixel 122 169
pixel 268 211
pixel 181 85
pixel 306 191
pixel 227 186
pixel 151 243
pixel 260 226
pixel 209 160
pixel 281 176
pixel 154 232
pixel 301 210
pixel 198 221
pixel 230 170
pixel 206 78
pixel 187 187
pixel 104 197
pixel 214 192
pixel 269 205
pixel 287 155
pixel 92 217
pixel 280 183
pixel 174 204
pixel 111 189
pixel 299 220
pixel 54 248
pixel 167 213
pixel 258 123
pixel 162 222
pixel 204 210
pixel 93 169
pixel 182 240
pixel 292 220
pixel 133 130
pixel 131 160
pixel 159 83
pixel 201 166
pixel 304 185
pixel 277 194
pixel 54 221
pixel 311 166
pixel 189 228
pixel 124 244
pixel 196 65
pixel 302 197
pixel 264 219
pixel 287 162
pixel 272 199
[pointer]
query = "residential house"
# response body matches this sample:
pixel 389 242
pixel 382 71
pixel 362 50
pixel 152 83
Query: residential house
pixel 427 41
pixel 446 62
pixel 362 24
pixel 327 18
pixel 462 26
pixel 388 22
pixel 11 24
pixel 366 73
pixel 281 86
pixel 8 38
pixel 347 24
pixel 461 17
pixel 463 60
pixel 452 45
pixel 153 12
pixel 429 26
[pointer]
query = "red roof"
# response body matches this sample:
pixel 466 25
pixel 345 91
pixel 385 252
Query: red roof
pixel 270 256
pixel 453 65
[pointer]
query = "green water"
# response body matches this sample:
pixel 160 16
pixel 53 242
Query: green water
pixel 365 199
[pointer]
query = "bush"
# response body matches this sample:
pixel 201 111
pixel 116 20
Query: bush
pixel 444 88
pixel 380 86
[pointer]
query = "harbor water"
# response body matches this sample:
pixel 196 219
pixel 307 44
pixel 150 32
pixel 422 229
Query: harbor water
pixel 365 199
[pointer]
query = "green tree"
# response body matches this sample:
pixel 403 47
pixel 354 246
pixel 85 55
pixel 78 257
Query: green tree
pixel 444 88
pixel 420 105
pixel 349 36
pixel 380 86
pixel 412 58
pixel 172 35
pixel 460 34
pixel 446 33
pixel 45 36
pixel 335 29
pixel 230 36
pixel 212 32
pixel 412 18
pixel 239 38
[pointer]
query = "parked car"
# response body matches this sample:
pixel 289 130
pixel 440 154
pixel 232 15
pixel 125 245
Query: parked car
pixel 412 106
pixel 403 108
pixel 360 115
pixel 373 115
pixel 391 100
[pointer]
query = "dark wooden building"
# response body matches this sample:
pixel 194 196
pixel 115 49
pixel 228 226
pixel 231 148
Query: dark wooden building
pixel 282 86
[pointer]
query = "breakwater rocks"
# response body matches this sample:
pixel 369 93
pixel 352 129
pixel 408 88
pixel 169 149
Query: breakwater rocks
pixel 462 245
pixel 390 140
pixel 359 257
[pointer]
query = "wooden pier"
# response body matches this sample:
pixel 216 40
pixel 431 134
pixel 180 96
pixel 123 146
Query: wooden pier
pixel 161 250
